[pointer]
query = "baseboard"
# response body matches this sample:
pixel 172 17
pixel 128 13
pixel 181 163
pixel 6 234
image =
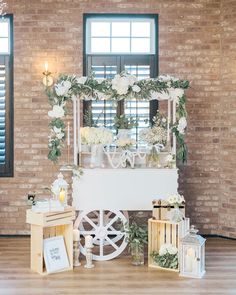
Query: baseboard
pixel 14 236
pixel 205 236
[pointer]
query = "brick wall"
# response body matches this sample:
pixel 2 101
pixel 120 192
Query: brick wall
pixel 196 40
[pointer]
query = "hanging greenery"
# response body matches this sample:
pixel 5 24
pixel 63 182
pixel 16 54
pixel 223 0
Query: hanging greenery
pixel 122 86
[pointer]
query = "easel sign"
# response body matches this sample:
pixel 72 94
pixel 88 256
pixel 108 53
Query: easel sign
pixel 55 255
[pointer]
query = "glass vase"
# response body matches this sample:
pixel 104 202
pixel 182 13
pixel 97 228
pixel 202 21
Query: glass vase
pixel 175 214
pixel 123 133
pixel 153 159
pixel 137 254
pixel 96 159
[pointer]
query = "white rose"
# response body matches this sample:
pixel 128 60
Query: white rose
pixel 172 249
pixel 56 130
pixel 136 88
pixel 57 112
pixel 169 158
pixel 131 79
pixel 159 95
pixel 182 124
pixel 176 94
pixel 60 135
pixel 62 88
pixel 81 80
pixel 163 250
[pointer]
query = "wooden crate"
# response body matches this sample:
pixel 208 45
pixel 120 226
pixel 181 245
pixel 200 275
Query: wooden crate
pixel 161 232
pixel 161 209
pixel 47 225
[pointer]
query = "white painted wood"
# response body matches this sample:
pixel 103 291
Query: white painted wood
pixel 75 133
pixel 174 120
pixel 104 232
pixel 122 189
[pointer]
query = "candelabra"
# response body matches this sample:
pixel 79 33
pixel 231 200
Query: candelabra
pixel 76 253
pixel 89 257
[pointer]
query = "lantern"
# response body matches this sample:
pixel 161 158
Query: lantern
pixel 60 188
pixel 192 255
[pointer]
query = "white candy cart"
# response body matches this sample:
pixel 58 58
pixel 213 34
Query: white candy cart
pixel 104 196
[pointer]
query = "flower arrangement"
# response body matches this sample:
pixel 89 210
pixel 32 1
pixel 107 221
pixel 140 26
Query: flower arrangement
pixel 125 143
pixel 167 256
pixel 157 134
pixel 122 86
pixel 136 237
pixel 123 122
pixel 154 135
pixel 93 135
pixel 175 200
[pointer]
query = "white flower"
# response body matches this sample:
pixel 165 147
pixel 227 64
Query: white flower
pixel 93 135
pixel 182 124
pixel 136 88
pixel 163 250
pixel 125 142
pixel 159 95
pixel 60 135
pixel 169 158
pixel 172 249
pixel 175 199
pixel 81 80
pixel 168 248
pixel 154 135
pixel 56 130
pixel 176 94
pixel 62 88
pixel 122 83
pixel 56 112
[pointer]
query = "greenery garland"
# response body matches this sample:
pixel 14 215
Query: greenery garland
pixel 123 86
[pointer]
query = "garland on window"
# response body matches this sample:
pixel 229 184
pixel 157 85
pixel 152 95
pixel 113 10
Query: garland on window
pixel 122 86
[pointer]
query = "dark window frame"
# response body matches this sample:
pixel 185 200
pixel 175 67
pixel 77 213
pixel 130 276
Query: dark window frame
pixel 155 57
pixel 7 169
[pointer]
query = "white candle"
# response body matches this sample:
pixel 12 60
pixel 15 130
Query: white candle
pixel 68 134
pixel 46 66
pixel 189 260
pixel 76 235
pixel 88 241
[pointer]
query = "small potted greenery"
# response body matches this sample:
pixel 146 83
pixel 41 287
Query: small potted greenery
pixel 137 237
pixel 123 124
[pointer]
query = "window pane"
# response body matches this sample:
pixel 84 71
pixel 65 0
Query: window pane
pixel 120 45
pixel 120 29
pixel 4 29
pixel 100 29
pixel 140 45
pixel 100 45
pixel 102 72
pixel 4 46
pixel 140 29
pixel 140 71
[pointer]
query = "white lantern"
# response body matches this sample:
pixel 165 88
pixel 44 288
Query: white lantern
pixel 60 188
pixel 192 255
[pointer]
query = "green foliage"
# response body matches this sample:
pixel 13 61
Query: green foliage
pixel 91 88
pixel 167 261
pixel 136 234
pixel 123 122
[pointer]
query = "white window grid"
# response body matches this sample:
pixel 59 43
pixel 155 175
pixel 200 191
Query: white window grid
pixel 130 37
pixel 4 37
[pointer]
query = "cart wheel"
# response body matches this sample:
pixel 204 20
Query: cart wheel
pixel 107 215
pixel 109 241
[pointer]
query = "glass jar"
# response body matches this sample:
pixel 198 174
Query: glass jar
pixel 137 253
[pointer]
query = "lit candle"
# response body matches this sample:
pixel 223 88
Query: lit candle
pixel 76 235
pixel 62 195
pixel 189 261
pixel 88 241
pixel 46 66
pixel 68 134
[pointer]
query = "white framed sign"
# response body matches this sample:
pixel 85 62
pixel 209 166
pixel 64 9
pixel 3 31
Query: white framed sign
pixel 55 255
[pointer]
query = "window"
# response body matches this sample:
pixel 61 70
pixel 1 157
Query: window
pixel 112 44
pixel 6 96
